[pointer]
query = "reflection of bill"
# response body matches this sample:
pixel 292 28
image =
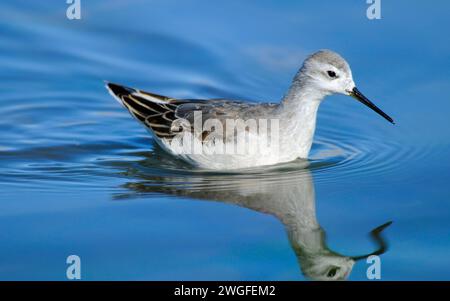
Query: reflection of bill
pixel 286 193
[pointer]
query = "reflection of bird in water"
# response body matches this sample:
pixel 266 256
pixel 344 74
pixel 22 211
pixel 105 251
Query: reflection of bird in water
pixel 286 193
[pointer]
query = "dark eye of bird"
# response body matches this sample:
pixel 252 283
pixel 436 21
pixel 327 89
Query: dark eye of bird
pixel 332 272
pixel 331 74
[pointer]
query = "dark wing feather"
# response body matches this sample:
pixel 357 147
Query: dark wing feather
pixel 155 111
pixel 158 112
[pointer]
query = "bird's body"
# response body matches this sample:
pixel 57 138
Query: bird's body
pixel 231 134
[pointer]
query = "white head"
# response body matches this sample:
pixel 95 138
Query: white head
pixel 326 72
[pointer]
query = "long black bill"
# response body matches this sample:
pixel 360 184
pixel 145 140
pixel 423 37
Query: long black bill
pixel 355 93
pixel 378 239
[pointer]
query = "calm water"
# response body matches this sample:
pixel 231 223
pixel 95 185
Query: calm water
pixel 79 176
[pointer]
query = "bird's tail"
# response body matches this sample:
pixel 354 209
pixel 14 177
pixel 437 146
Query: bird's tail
pixel 155 112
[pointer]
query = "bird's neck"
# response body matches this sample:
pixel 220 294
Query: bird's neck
pixel 303 94
pixel 299 112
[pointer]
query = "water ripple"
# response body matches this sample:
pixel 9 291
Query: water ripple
pixel 71 153
pixel 55 131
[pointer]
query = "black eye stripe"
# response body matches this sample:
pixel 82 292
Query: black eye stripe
pixel 331 73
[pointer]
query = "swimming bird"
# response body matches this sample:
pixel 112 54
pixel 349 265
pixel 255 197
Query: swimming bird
pixel 232 134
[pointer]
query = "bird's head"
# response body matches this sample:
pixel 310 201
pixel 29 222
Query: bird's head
pixel 327 72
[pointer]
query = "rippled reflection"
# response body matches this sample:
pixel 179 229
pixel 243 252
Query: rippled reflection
pixel 284 191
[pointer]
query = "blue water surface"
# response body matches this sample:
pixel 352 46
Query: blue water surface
pixel 79 176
